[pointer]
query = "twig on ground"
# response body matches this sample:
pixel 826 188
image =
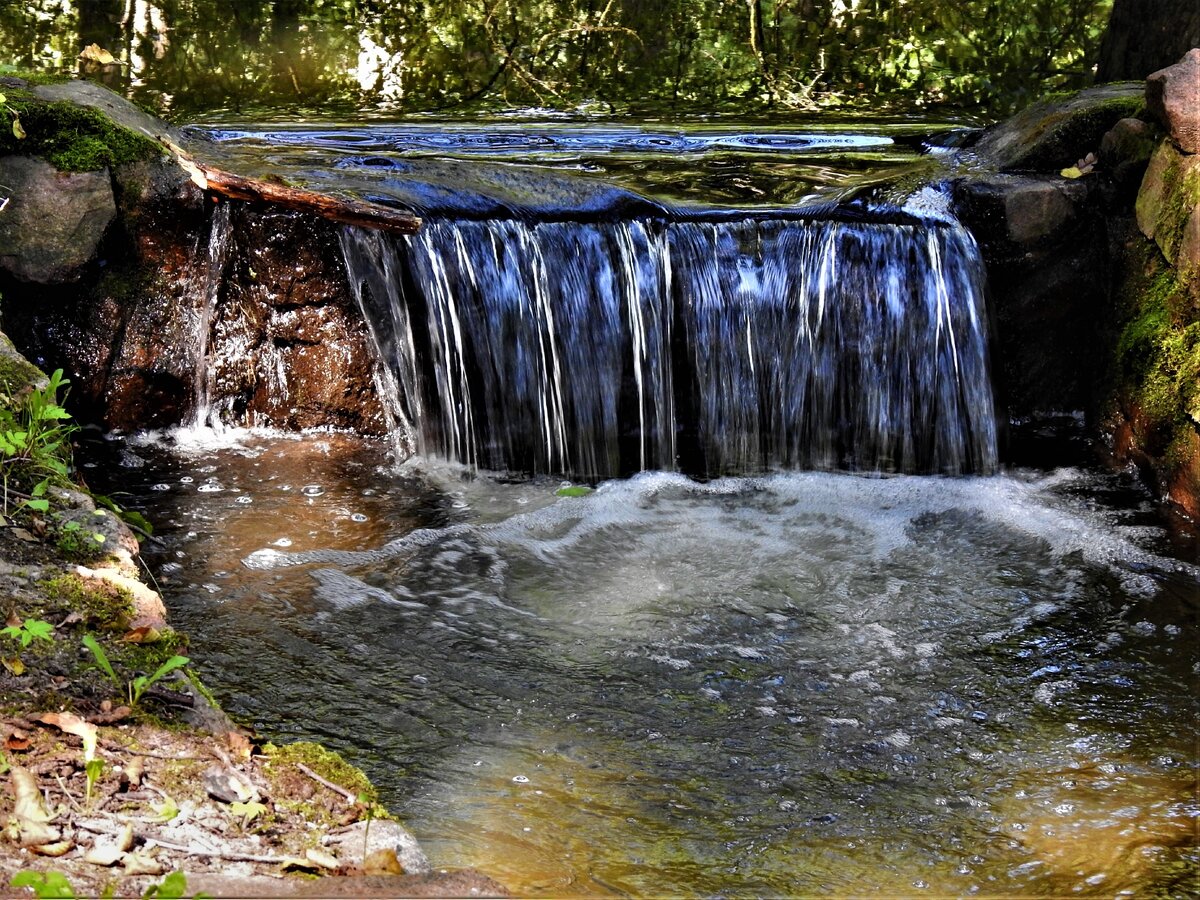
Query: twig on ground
pixel 337 789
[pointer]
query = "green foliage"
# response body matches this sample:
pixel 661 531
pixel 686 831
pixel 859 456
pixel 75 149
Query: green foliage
pixel 573 491
pixel 28 630
pixel 45 884
pixel 35 442
pixel 626 55
pixel 138 686
pixel 93 769
pixel 101 658
pixel 18 131
pixel 78 543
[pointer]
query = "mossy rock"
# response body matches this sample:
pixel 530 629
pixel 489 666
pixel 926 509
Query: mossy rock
pixel 1056 132
pixel 18 376
pixel 1168 211
pixel 288 780
pixel 70 137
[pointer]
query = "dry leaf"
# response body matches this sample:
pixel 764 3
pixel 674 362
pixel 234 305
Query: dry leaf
pixel 28 799
pixel 141 864
pixel 109 850
pixel 13 620
pixel 112 716
pixel 71 619
pixel 14 665
pixel 382 862
pixel 17 740
pixel 28 833
pixel 239 744
pixel 143 634
pixel 132 776
pixel 72 724
pixel 58 848
pixel 322 860
pixel 97 54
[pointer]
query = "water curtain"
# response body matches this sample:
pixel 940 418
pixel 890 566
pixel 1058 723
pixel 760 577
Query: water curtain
pixel 598 349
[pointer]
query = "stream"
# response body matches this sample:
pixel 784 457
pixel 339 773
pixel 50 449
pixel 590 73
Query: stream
pixel 792 684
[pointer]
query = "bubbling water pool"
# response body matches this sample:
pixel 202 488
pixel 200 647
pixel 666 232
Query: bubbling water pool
pixel 793 684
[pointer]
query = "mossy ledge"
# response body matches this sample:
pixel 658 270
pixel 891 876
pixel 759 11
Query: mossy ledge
pixel 70 137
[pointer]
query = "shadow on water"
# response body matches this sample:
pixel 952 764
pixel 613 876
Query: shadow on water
pixel 795 684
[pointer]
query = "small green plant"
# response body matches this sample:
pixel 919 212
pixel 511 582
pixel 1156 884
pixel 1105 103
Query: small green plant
pixel 94 768
pixel 28 630
pixel 101 658
pixel 76 542
pixel 138 686
pixel 173 887
pixel 45 884
pixel 35 443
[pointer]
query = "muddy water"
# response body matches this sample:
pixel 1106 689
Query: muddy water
pixel 798 684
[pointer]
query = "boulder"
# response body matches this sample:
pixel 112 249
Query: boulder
pixel 1057 132
pixel 54 221
pixel 1125 151
pixel 1168 210
pixel 116 107
pixel 1173 98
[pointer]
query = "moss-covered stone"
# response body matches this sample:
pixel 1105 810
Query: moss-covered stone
pixel 1057 131
pixel 70 137
pixel 18 376
pixel 282 768
pixel 102 605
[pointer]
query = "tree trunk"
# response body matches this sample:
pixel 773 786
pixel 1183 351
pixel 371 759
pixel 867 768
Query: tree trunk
pixel 1144 36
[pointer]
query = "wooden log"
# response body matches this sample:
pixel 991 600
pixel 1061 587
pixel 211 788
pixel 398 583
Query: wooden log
pixel 220 183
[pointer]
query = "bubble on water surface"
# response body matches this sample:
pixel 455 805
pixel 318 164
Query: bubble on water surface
pixel 282 542
pixel 358 517
pixel 186 479
pixel 210 487
pixel 160 487
pixel 312 490
pixel 245 498
pixel 520 779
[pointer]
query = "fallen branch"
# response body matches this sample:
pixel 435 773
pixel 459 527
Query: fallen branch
pixel 231 856
pixel 220 183
pixel 337 789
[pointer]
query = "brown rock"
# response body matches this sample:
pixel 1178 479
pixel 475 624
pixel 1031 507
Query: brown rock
pixel 1173 97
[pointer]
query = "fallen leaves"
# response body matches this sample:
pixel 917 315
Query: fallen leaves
pixel 72 724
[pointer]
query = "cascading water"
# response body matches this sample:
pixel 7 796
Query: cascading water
pixel 209 275
pixel 599 349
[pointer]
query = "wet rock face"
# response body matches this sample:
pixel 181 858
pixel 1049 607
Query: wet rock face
pixel 290 347
pixel 54 221
pixel 1044 243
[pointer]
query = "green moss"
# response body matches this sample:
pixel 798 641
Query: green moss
pixel 102 605
pixel 281 767
pixel 72 138
pixel 1158 358
pixel 17 375
pixel 32 76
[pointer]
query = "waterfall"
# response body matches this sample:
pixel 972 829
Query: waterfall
pixel 599 349
pixel 208 287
